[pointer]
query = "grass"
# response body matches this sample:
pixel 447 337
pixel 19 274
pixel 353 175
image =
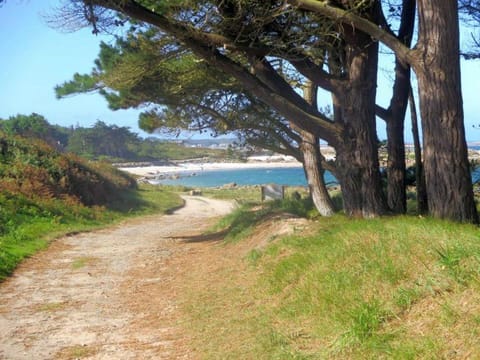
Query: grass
pixel 248 194
pixel 82 262
pixel 34 223
pixel 76 352
pixel 45 193
pixel 240 222
pixel 390 288
pixel 51 307
pixel 242 194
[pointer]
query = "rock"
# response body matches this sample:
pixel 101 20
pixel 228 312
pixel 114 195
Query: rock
pixel 229 186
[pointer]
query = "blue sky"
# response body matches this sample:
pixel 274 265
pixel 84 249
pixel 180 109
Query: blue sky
pixel 34 58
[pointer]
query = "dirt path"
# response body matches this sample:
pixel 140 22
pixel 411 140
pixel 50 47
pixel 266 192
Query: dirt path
pixel 88 296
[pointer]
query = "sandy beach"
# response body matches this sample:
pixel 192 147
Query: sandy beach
pixel 189 167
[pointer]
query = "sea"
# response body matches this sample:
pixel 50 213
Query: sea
pixel 259 176
pixel 291 176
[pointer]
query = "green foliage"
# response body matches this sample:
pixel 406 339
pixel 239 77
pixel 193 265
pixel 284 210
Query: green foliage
pixel 152 149
pixel 357 278
pixel 34 169
pixel 102 142
pixel 241 194
pixel 366 319
pixel 405 298
pixel 399 288
pixel 44 193
pixel 79 84
pixel 241 222
pixel 147 67
pixel 34 126
pixel 164 6
pixel 462 261
pixel 254 256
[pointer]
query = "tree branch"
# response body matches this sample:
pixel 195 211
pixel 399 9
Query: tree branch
pixel 382 113
pixel 319 76
pixel 202 46
pixel 403 53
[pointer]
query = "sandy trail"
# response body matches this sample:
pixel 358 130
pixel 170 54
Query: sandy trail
pixel 88 295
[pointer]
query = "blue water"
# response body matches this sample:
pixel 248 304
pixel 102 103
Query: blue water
pixel 476 175
pixel 281 176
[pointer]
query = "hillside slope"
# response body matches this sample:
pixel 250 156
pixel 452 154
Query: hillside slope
pixel 34 169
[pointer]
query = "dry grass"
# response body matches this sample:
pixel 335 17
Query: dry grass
pixel 75 352
pixel 82 262
pixel 401 288
pixel 51 306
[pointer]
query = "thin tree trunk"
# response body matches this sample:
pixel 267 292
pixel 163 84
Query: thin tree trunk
pixel 312 161
pixel 422 201
pixel 314 174
pixel 447 172
pixel 396 190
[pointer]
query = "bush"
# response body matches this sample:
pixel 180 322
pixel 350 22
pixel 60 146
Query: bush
pixel 35 170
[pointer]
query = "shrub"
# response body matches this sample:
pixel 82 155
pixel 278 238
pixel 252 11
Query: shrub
pixel 36 170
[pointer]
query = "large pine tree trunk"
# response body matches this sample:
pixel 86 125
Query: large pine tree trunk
pixel 447 173
pixel 357 155
pixel 357 171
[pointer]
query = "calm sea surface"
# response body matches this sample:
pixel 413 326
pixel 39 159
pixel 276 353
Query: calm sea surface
pixel 281 176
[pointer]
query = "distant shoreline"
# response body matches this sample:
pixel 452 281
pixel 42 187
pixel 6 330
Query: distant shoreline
pixel 152 171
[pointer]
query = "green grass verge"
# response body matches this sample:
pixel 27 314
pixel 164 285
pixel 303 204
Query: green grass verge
pixel 383 288
pixel 249 194
pixel 240 222
pixel 391 288
pixel 29 225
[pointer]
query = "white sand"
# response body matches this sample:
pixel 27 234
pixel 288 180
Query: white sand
pixel 252 163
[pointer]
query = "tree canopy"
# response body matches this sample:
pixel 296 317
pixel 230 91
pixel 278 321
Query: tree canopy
pixel 334 45
pixel 179 92
pixel 35 126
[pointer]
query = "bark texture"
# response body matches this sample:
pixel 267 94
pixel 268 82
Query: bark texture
pixel 395 119
pixel 357 155
pixel 312 160
pixel 422 202
pixel 314 173
pixel 447 173
pixel 396 193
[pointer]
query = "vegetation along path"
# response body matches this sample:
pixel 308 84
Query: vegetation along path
pixel 104 294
